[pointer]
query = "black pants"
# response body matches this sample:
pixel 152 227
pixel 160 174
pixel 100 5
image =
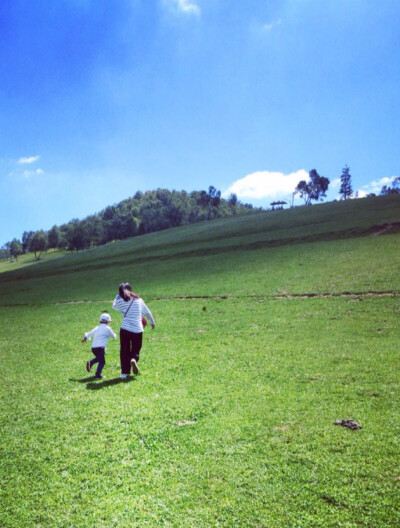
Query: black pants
pixel 131 343
pixel 100 358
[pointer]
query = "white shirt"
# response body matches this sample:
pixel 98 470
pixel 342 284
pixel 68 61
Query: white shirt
pixel 133 318
pixel 100 334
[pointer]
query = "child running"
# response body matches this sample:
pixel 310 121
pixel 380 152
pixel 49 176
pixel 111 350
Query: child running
pixel 100 334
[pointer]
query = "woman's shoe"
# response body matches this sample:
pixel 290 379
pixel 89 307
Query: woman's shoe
pixel 134 366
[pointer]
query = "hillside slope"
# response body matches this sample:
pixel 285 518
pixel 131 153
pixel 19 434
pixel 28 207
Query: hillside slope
pixel 220 246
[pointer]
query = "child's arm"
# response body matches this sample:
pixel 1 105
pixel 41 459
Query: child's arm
pixel 113 335
pixel 88 335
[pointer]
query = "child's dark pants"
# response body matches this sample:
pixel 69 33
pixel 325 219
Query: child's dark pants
pixel 100 358
pixel 131 343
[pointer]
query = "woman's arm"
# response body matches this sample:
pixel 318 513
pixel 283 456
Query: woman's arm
pixel 118 303
pixel 148 314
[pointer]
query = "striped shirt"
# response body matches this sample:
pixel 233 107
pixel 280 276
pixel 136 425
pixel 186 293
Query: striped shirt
pixel 133 319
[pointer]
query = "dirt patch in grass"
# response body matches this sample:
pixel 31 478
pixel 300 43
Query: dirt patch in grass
pixel 383 229
pixel 390 293
pixel 357 295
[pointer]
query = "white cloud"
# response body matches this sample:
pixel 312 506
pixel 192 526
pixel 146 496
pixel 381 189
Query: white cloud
pixel 335 183
pixel 183 6
pixel 27 174
pixel 375 186
pixel 264 184
pixel 260 31
pixel 30 159
pixel 188 7
pixel 266 28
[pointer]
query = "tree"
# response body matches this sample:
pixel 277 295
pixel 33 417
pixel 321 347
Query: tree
pixel 26 240
pixel 346 189
pixel 204 199
pixel 314 189
pixel 394 189
pixel 130 229
pixel 95 229
pixel 4 252
pixel 233 201
pixel 38 243
pixel 210 201
pixel 76 235
pixel 215 199
pixel 303 192
pixel 54 237
pixel 152 218
pixel 114 228
pixel 15 248
pixel 109 213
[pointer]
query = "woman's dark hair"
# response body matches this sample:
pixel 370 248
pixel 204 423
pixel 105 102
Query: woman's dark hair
pixel 124 289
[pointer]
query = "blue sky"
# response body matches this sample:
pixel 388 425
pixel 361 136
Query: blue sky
pixel 100 99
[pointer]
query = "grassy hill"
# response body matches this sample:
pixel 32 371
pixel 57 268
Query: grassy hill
pixel 269 328
pixel 224 246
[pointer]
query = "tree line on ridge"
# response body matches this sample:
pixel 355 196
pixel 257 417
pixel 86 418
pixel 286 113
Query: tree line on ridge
pixel 151 211
pixel 145 212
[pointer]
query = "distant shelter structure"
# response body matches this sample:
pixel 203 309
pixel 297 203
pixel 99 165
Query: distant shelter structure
pixel 276 206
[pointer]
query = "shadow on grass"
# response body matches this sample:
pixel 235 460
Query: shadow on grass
pixel 83 380
pixel 91 384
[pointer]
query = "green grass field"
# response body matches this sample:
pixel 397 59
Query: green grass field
pixel 269 328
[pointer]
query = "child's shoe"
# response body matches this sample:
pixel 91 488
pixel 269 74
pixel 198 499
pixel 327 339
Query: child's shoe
pixel 88 366
pixel 99 377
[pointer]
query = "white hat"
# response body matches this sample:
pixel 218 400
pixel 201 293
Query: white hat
pixel 105 318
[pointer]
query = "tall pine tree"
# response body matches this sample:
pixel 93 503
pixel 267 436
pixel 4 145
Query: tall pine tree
pixel 346 189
